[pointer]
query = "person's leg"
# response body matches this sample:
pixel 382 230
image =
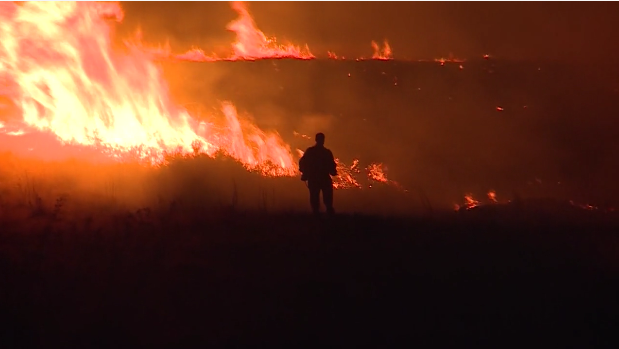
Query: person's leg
pixel 327 197
pixel 314 197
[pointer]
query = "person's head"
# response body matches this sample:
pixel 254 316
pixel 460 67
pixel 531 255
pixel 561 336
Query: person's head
pixel 320 138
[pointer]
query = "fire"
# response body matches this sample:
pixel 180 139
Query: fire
pixel 301 135
pixel 492 197
pixel 345 178
pixel 66 79
pixel 60 71
pixel 196 55
pixel 384 54
pixel 251 43
pixel 587 207
pixel 346 175
pixel 470 202
pixel 376 173
pixel 450 59
pixel 333 55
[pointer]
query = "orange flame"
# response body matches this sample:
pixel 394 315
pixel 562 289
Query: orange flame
pixel 492 196
pixel 470 202
pixel 376 173
pixel 301 135
pixel 66 79
pixel 346 175
pixel 384 54
pixel 449 59
pixel 251 43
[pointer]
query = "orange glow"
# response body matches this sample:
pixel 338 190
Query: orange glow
pixel 67 80
pixel 301 135
pixel 346 175
pixel 384 54
pixel 587 207
pixel 376 173
pixel 470 202
pixel 251 43
pixel 492 196
pixel 450 59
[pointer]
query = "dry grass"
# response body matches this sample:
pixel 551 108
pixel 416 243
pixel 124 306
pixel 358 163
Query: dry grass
pixel 96 256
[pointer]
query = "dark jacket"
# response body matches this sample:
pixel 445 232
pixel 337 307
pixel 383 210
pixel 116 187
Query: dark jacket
pixel 317 164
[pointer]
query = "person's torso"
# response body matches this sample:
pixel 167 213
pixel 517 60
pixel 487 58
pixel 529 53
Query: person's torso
pixel 319 162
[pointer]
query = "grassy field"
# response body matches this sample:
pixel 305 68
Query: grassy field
pixel 85 265
pixel 202 253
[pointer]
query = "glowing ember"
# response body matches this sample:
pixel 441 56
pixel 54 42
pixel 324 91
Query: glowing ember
pixel 470 202
pixel 587 207
pixel 301 135
pixel 450 59
pixel 346 175
pixel 376 173
pixel 492 196
pixel 384 54
pixel 66 79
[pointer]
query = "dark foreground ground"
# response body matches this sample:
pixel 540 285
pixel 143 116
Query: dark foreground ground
pixel 216 279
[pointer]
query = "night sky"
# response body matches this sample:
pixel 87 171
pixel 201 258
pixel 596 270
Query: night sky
pixel 419 30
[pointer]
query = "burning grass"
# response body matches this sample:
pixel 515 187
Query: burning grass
pixel 75 189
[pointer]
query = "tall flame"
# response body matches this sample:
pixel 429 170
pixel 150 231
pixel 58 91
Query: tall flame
pixel 58 67
pixel 251 43
pixel 384 54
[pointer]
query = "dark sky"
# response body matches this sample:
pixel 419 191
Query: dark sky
pixel 517 30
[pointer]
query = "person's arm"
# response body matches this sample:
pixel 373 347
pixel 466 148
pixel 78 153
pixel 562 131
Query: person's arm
pixel 301 160
pixel 333 165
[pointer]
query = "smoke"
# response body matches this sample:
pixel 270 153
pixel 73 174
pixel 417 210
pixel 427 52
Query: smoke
pixel 436 129
pixel 524 31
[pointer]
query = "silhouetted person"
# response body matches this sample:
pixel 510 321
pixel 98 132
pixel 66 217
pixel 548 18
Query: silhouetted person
pixel 317 165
